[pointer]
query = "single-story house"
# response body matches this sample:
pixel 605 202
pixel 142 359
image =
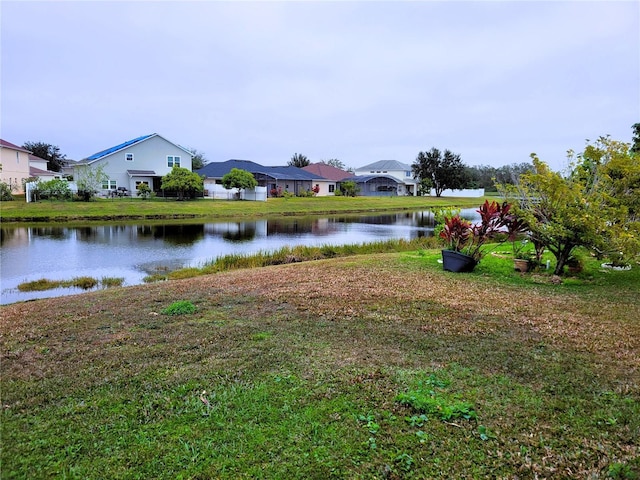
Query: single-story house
pixel 331 173
pixel 406 184
pixel 377 185
pixel 274 179
pixel 15 165
pixel 144 159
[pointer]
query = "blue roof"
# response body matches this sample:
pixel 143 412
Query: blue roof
pixel 111 150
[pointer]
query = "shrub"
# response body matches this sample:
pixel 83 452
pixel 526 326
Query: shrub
pixel 54 189
pixel 5 192
pixel 144 191
pixel 181 307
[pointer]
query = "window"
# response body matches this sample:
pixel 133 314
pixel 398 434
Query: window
pixel 407 173
pixel 109 185
pixel 173 161
pixel 17 157
pixel 128 157
pixel 332 188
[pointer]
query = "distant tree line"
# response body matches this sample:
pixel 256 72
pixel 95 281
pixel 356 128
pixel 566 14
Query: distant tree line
pixel 485 176
pixel 442 170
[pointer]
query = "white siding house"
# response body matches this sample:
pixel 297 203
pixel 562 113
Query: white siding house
pixel 392 168
pixel 144 159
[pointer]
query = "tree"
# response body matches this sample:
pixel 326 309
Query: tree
pixel 612 168
pixel 184 182
pixel 90 181
pixel 349 188
pixel 298 160
pixel 198 159
pixel 144 191
pixel 591 207
pixel 444 171
pixel 238 178
pixel 485 176
pixel 635 148
pixel 334 162
pixel 51 153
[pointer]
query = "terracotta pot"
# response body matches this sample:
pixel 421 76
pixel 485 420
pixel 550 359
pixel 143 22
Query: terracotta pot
pixel 457 262
pixel 521 265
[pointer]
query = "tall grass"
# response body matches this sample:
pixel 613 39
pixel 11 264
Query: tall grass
pixel 85 283
pixel 298 253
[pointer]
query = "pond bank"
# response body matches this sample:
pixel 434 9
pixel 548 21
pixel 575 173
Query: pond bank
pixel 135 209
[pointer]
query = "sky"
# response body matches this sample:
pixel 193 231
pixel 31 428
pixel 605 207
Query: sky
pixel 357 81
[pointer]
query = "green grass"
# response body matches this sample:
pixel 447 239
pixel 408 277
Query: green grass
pixel 85 283
pixel 137 209
pixel 181 307
pixel 368 366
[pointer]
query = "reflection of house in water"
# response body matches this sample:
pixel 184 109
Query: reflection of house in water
pixel 177 234
pixel 244 231
pixel 12 237
pixel 298 226
pixel 237 231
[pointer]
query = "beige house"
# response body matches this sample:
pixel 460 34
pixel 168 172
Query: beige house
pixel 15 165
pixel 38 169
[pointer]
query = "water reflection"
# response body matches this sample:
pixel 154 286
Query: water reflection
pixel 133 251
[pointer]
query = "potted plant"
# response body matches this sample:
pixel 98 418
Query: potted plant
pixel 518 233
pixel 522 258
pixel 465 240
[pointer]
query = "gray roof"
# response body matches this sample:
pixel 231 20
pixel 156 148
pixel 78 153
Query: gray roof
pixel 220 169
pixel 386 165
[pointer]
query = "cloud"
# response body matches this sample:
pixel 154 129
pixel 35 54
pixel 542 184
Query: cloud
pixel 358 81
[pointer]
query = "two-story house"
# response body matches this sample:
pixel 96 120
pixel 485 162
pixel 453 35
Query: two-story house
pixel 386 177
pixel 15 165
pixel 144 159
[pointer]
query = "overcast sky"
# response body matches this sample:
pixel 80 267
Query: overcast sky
pixel 359 81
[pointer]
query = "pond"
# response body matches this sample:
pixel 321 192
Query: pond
pixel 134 251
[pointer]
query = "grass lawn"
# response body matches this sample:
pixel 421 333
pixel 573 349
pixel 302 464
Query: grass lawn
pixel 370 366
pixel 136 209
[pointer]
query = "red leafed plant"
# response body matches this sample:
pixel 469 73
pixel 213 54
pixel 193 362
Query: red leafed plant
pixel 464 237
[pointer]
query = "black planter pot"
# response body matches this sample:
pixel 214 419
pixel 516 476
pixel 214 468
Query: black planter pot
pixel 457 262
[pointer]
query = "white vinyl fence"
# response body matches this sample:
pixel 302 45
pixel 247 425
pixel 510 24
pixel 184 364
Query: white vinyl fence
pixel 218 192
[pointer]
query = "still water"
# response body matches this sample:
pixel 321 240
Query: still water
pixel 133 251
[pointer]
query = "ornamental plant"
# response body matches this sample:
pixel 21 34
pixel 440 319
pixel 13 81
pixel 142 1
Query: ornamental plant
pixel 467 238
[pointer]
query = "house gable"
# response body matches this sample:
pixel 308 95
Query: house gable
pixel 143 159
pixel 15 165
